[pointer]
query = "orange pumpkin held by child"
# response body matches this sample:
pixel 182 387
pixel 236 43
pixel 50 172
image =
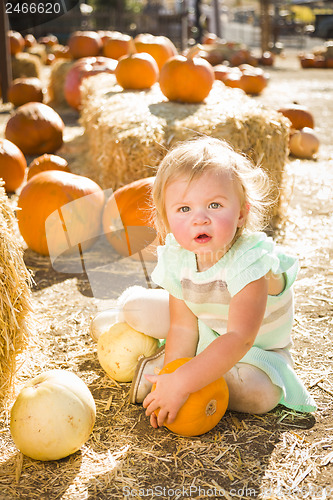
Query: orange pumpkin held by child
pixel 202 410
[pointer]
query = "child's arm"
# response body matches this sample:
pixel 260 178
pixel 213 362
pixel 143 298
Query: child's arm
pixel 246 313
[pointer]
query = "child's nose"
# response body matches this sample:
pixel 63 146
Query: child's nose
pixel 200 217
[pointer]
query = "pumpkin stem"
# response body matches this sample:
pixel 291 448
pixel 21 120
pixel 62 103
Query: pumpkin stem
pixel 194 51
pixel 211 407
pixel 131 47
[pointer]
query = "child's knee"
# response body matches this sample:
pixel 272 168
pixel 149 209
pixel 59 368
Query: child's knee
pixel 146 310
pixel 251 390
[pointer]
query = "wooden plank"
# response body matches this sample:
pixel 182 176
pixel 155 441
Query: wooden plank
pixel 5 60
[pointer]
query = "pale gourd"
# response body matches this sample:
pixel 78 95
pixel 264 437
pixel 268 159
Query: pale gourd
pixel 52 416
pixel 120 348
pixel 102 322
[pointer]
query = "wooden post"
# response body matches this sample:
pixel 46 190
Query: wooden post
pixel 217 16
pixel 265 24
pixel 5 61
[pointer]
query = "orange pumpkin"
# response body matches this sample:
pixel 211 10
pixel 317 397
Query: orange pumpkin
pixel 307 60
pixel 221 72
pixel 47 162
pixel 116 45
pixel 84 44
pixel 202 410
pixel 12 165
pixel 16 42
pixel 136 71
pixel 187 79
pixel 79 222
pixel 299 116
pixel 127 212
pixel 35 128
pixel 160 48
pixel 29 40
pixel 253 80
pixel 83 68
pixel 304 143
pixel 23 90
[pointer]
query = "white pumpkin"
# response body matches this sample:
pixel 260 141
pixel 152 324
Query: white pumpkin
pixel 304 143
pixel 102 322
pixel 52 416
pixel 119 349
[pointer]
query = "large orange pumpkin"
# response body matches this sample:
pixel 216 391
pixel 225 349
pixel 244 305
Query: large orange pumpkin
pixel 84 44
pixel 116 45
pixel 126 215
pixel 187 79
pixel 136 71
pixel 23 90
pixel 160 47
pixel 83 68
pixel 47 162
pixel 12 165
pixel 203 409
pixel 77 223
pixel 299 116
pixel 35 128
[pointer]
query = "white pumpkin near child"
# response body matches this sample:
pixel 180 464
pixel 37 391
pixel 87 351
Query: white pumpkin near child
pixel 52 416
pixel 102 322
pixel 119 349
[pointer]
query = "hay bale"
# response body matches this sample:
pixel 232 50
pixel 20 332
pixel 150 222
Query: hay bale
pixel 15 305
pixel 58 74
pixel 25 65
pixel 129 132
pixel 39 50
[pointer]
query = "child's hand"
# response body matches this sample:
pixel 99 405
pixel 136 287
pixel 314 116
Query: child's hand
pixel 168 401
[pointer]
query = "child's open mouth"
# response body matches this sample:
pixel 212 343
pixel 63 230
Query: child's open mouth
pixel 203 238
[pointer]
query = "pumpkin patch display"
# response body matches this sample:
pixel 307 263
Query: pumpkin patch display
pixel 187 78
pixel 23 90
pixel 51 192
pixel 35 128
pixel 119 349
pixel 125 215
pixel 84 44
pixel 137 71
pixel 12 165
pixel 202 410
pixel 299 116
pixel 53 416
pixel 83 68
pixel 160 48
pixel 47 162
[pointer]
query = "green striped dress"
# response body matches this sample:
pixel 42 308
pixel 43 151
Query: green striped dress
pixel 208 294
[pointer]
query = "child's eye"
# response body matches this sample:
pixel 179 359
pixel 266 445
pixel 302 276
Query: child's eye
pixel 184 209
pixel 215 205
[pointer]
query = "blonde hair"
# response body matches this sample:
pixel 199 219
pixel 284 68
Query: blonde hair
pixel 193 158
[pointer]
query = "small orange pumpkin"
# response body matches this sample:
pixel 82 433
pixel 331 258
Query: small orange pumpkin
pixel 253 80
pixel 84 44
pixel 304 143
pixel 49 192
pixel 160 48
pixel 29 40
pixel 47 162
pixel 202 410
pixel 187 79
pixel 136 71
pixel 16 42
pixel 12 165
pixel 35 128
pixel 116 45
pixel 23 90
pixel 299 116
pixel 126 213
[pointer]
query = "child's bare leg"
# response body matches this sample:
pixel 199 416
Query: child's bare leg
pixel 251 390
pixel 146 310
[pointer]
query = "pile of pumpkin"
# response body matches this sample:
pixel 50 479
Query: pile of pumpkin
pixel 320 57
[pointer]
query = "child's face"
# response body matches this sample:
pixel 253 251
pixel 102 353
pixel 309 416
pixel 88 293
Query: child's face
pixel 204 215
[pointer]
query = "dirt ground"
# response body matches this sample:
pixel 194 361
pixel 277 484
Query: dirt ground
pixel 280 455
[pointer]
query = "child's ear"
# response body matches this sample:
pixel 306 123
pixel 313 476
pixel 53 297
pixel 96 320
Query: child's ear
pixel 243 215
